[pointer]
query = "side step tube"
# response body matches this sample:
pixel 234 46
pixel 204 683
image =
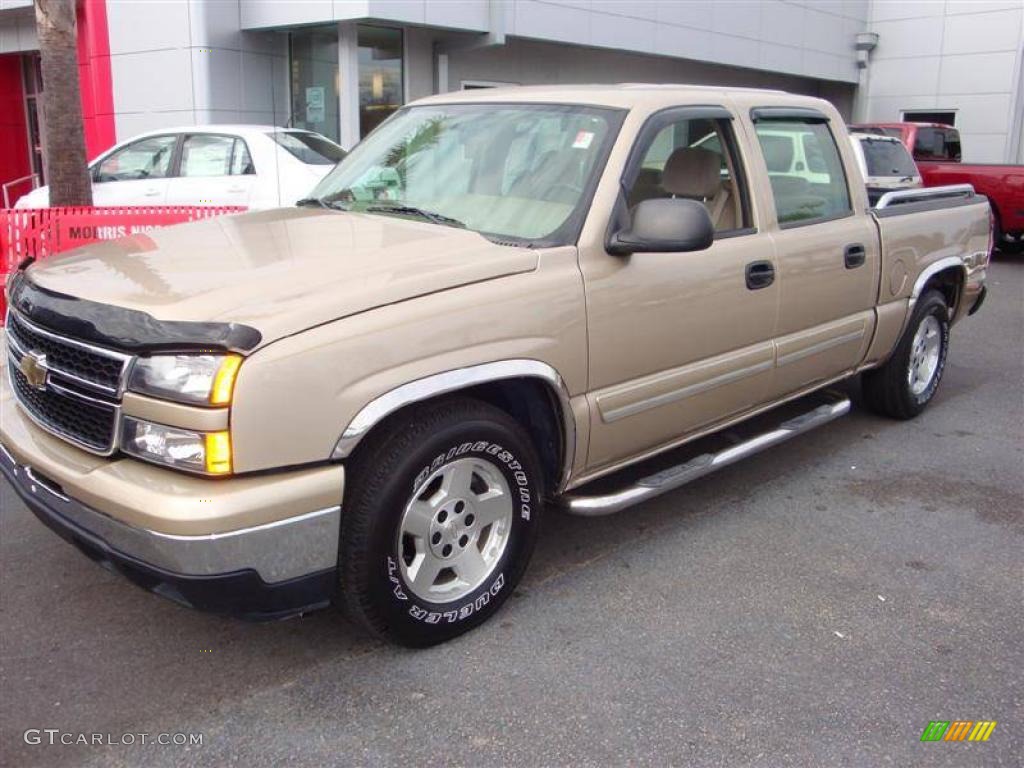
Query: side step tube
pixel 681 474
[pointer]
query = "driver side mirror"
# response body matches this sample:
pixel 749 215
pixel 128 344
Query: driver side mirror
pixel 665 225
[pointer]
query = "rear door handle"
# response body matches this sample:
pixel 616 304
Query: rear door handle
pixel 760 274
pixel 854 255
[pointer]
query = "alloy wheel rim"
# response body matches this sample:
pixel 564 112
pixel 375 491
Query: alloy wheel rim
pixel 925 351
pixel 454 530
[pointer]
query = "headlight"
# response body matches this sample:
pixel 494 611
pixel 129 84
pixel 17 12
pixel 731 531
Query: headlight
pixel 206 452
pixel 191 379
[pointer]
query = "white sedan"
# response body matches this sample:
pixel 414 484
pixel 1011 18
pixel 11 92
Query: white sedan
pixel 256 166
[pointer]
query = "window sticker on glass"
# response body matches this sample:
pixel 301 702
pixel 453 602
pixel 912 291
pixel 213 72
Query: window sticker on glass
pixel 583 139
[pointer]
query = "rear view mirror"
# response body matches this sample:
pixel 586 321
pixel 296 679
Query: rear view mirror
pixel 665 225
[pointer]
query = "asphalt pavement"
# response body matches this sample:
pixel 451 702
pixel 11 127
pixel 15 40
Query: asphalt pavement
pixel 818 604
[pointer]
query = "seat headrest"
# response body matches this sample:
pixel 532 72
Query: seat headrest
pixel 692 172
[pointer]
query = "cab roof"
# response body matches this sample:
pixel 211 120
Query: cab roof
pixel 630 95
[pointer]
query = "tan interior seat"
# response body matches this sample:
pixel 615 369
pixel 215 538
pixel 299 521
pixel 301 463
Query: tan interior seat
pixel 695 173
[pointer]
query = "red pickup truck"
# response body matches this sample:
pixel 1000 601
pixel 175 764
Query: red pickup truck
pixel 936 149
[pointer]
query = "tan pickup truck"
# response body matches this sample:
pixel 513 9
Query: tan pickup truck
pixel 496 299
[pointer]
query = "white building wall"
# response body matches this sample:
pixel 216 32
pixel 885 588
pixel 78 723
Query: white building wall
pixel 529 62
pixel 188 63
pixel 17 27
pixel 810 38
pixel 963 55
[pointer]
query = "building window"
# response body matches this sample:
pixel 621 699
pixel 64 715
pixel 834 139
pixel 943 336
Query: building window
pixel 32 81
pixel 942 117
pixel 380 75
pixel 313 61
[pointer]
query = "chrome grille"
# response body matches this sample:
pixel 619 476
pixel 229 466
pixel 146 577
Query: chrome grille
pixel 89 424
pixel 76 388
pixel 94 367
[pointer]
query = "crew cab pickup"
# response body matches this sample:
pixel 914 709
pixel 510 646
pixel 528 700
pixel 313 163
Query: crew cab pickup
pixel 936 149
pixel 499 303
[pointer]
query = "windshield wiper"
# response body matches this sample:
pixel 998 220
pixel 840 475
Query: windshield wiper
pixel 319 202
pixel 431 216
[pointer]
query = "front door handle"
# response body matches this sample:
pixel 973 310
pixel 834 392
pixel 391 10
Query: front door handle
pixel 760 274
pixel 854 255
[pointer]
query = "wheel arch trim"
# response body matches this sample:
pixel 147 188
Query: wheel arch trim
pixel 949 262
pixel 458 379
pixel 930 271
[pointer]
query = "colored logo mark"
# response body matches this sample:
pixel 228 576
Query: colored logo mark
pixel 958 730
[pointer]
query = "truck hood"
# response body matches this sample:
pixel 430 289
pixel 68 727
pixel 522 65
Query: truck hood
pixel 278 271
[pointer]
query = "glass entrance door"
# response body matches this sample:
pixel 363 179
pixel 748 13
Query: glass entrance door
pixel 317 82
pixel 380 75
pixel 313 63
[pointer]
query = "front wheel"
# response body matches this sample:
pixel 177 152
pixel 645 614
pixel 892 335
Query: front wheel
pixel 906 383
pixel 439 521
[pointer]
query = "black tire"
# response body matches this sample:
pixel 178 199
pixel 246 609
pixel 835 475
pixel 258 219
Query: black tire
pixel 887 389
pixel 1001 241
pixel 381 482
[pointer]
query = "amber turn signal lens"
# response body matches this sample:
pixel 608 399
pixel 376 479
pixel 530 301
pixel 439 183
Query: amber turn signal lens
pixel 218 453
pixel 224 381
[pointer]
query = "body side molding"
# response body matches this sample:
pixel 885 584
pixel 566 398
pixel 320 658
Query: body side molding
pixel 452 381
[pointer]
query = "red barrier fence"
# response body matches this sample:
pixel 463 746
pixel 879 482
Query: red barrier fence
pixel 42 232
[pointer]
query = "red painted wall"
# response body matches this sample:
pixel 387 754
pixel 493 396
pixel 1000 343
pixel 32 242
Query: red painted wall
pixel 14 160
pixel 97 98
pixel 94 74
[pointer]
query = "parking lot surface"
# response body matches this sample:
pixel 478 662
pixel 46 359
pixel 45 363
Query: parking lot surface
pixel 818 604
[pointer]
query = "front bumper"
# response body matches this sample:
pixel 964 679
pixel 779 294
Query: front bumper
pixel 224 573
pixel 257 546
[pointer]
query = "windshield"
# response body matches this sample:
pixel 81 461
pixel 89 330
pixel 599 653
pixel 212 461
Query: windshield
pixel 509 171
pixel 309 148
pixel 887 158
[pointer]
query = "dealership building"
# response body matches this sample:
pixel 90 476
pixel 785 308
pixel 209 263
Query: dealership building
pixel 339 67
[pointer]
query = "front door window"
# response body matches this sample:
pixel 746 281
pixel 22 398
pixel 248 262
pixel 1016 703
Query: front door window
pixel 148 158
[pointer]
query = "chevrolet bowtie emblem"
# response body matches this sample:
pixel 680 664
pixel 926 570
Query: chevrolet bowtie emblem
pixel 33 367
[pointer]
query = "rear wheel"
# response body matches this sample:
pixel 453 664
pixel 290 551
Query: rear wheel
pixel 1002 241
pixel 439 521
pixel 906 383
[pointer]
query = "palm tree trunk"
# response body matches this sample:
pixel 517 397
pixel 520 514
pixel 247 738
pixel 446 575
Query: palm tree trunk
pixel 67 173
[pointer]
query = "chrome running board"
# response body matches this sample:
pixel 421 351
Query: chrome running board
pixel 674 477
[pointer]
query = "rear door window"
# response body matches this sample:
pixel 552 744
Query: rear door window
pixel 804 195
pixel 203 155
pixel 241 160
